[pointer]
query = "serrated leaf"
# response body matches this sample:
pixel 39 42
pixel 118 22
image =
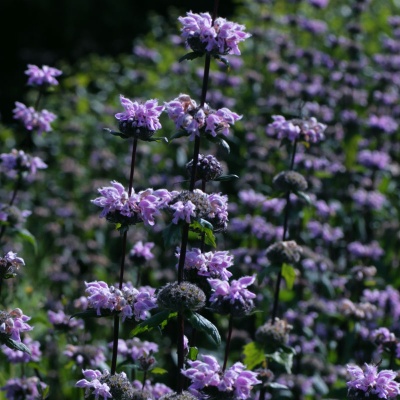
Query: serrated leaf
pixel 92 313
pixel 289 274
pixel 159 371
pixel 203 324
pixel 191 56
pixel 253 355
pixel 193 353
pixel 303 196
pixel 13 344
pixel 224 178
pixel 115 133
pixel 179 134
pixel 172 235
pixel 158 320
pixel 24 234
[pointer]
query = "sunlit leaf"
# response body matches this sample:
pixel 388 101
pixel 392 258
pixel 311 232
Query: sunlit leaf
pixel 160 319
pixel 253 355
pixel 289 274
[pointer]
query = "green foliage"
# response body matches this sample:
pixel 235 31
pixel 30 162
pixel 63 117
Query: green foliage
pixel 159 320
pixel 204 325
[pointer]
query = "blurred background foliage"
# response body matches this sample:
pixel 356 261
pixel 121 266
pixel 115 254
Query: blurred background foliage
pixel 109 48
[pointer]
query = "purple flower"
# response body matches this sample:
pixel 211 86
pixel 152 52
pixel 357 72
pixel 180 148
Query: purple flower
pixel 371 250
pixel 384 123
pixel 373 159
pixel 202 35
pixel 211 264
pixel 62 321
pixel 85 355
pixel 370 199
pixel 141 115
pixel 324 231
pixel 18 356
pixel 193 119
pixel 137 207
pixel 134 348
pixel 13 323
pixel 232 297
pixel 308 130
pixel 23 388
pixel 207 373
pixel 93 385
pixel 183 211
pixel 17 162
pixel 42 76
pixel 12 258
pixel 142 251
pixel 319 3
pixel 130 302
pixel 32 119
pixel 371 381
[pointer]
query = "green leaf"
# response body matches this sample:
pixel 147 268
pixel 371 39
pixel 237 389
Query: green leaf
pixel 253 355
pixel 223 60
pixel 158 320
pixel 283 358
pixel 159 371
pixel 179 134
pixel 172 235
pixel 13 344
pixel 203 324
pixel 24 234
pixel 218 140
pixel 115 133
pixel 204 227
pixel 92 313
pixel 276 385
pixel 224 178
pixel 191 56
pixel 303 196
pixel 193 353
pixel 157 139
pixel 351 150
pixel 289 274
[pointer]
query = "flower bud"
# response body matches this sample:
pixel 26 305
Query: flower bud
pixel 181 296
pixel 290 181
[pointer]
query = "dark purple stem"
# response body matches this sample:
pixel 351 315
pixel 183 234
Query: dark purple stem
pixel 228 343
pixel 122 266
pixel 285 228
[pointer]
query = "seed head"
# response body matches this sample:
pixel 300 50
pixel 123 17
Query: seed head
pixel 273 335
pixel 178 396
pixel 208 168
pixel 181 296
pixel 120 387
pixel 290 181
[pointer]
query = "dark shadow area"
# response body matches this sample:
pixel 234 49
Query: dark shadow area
pixel 45 31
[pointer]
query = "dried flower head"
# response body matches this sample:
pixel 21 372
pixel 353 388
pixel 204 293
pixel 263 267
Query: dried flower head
pixel 284 252
pixel 208 168
pixel 181 296
pixel 290 181
pixel 178 396
pixel 273 335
